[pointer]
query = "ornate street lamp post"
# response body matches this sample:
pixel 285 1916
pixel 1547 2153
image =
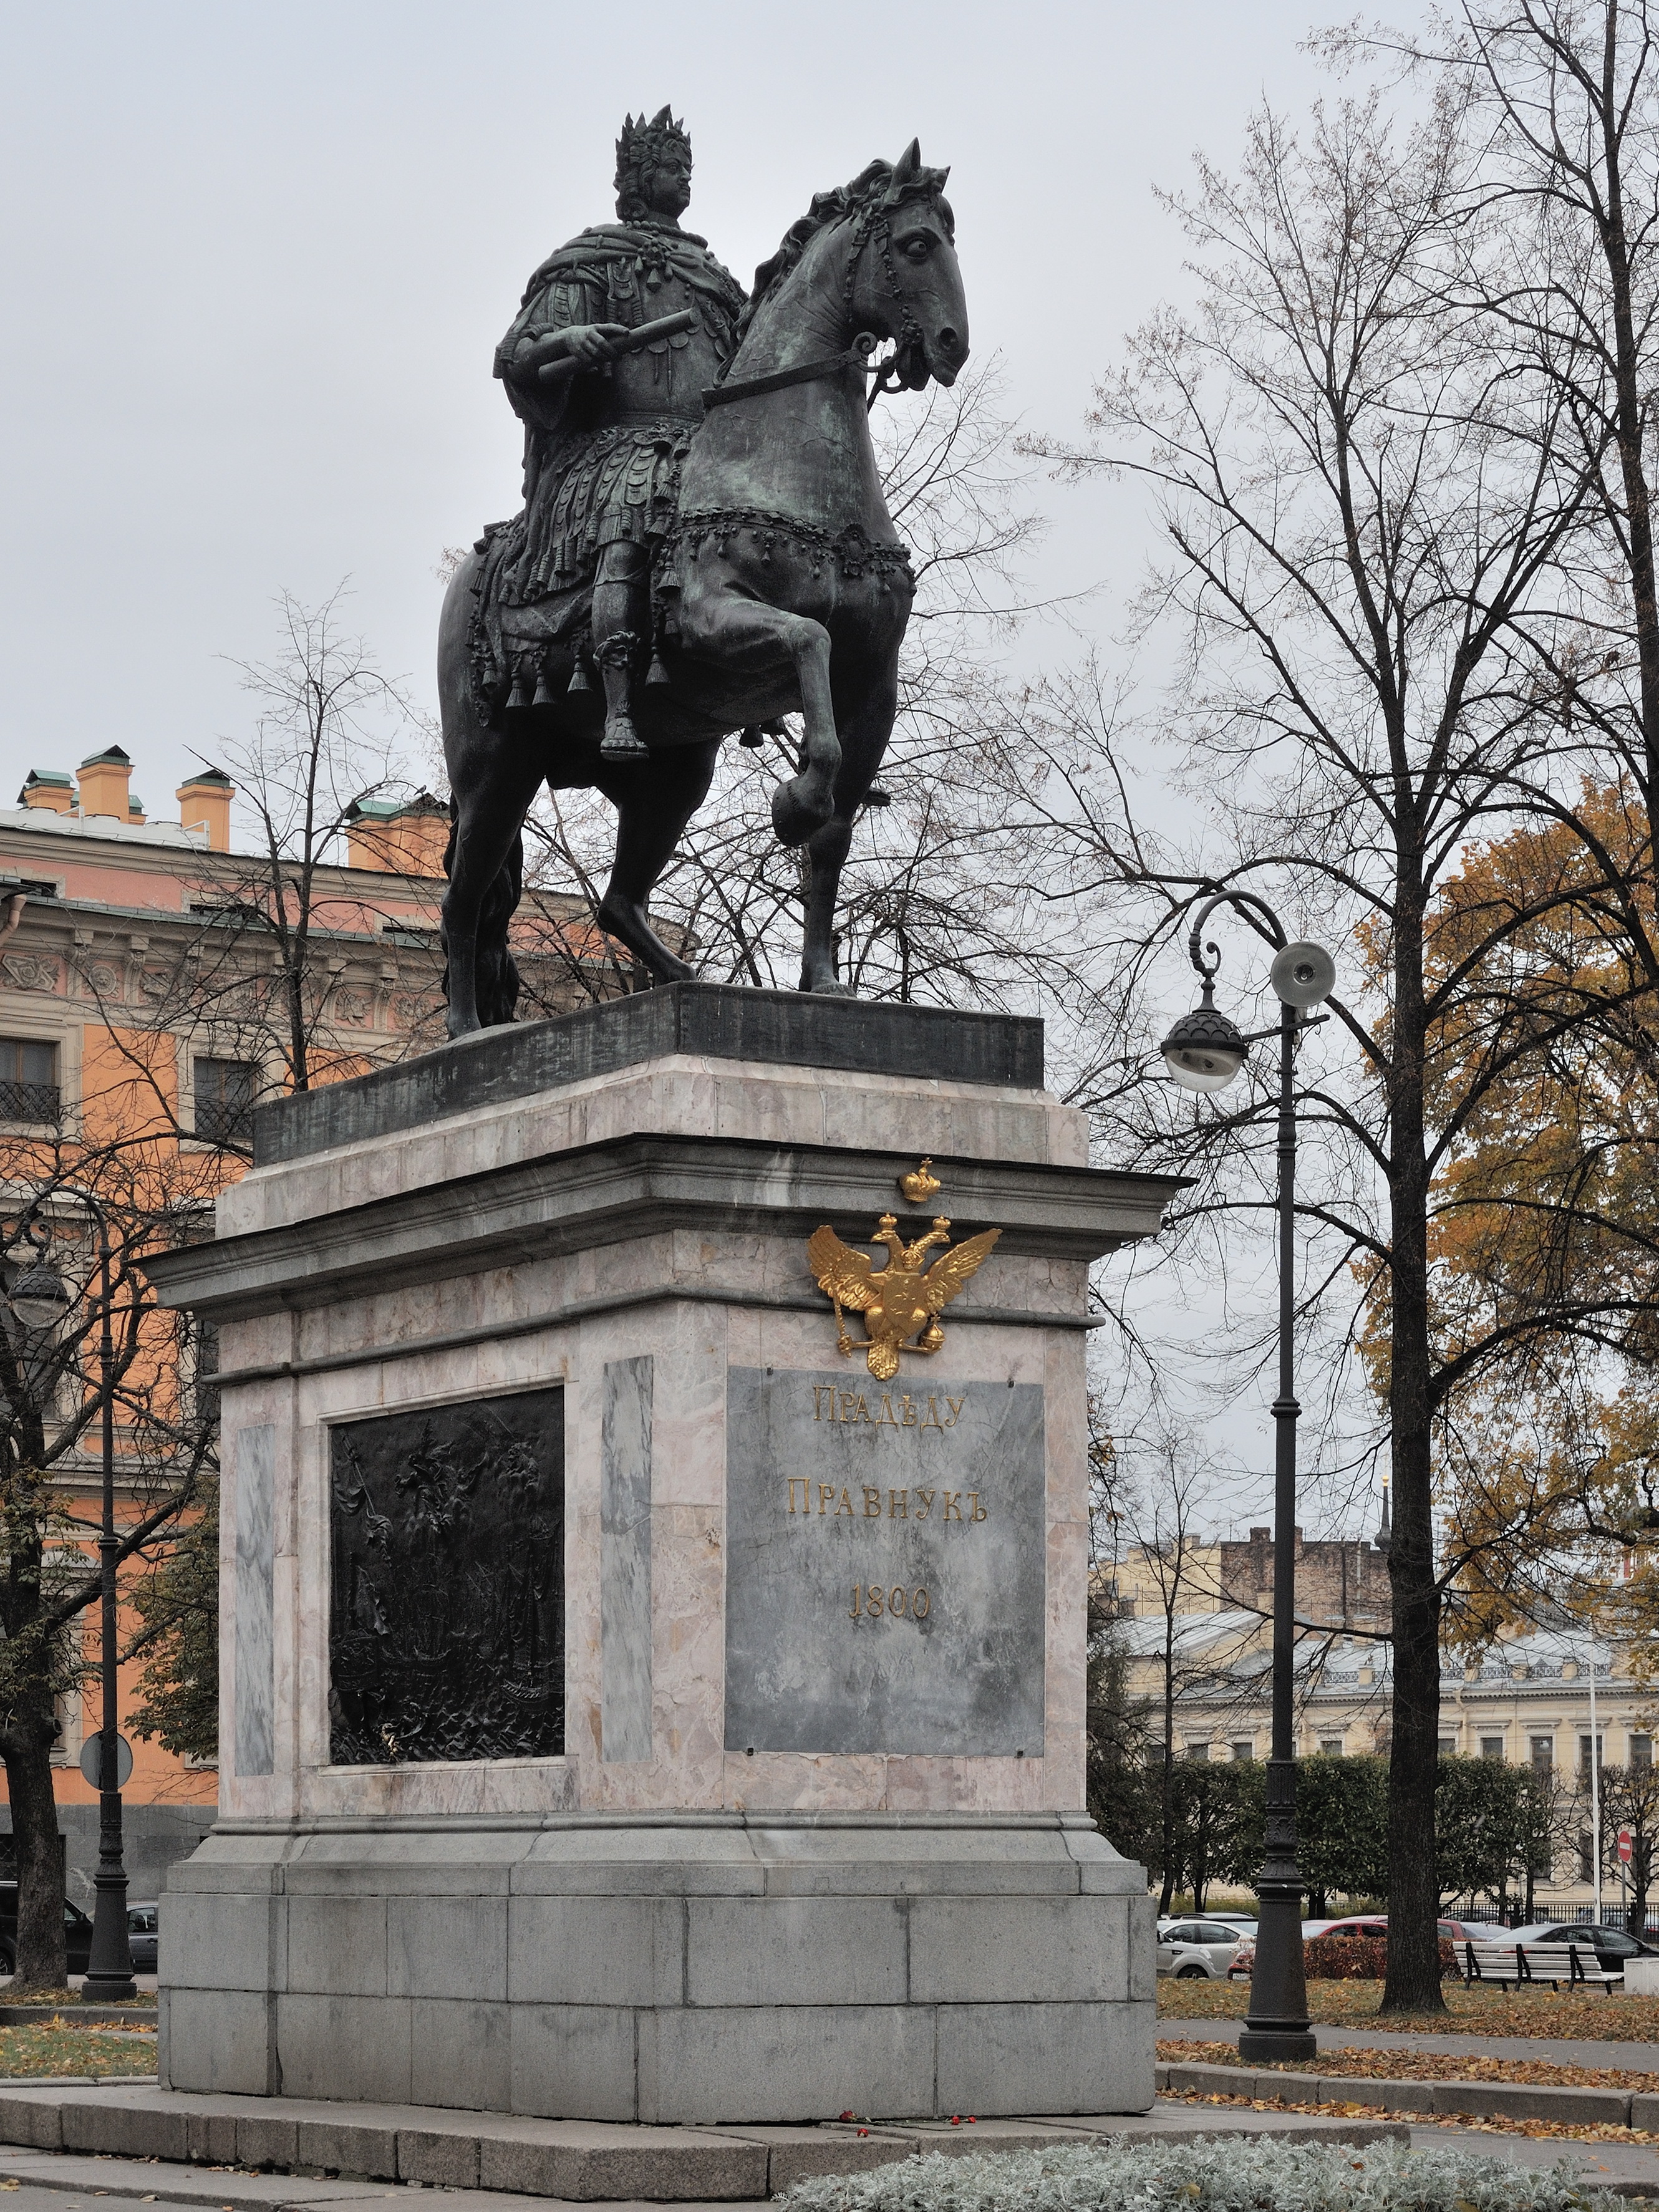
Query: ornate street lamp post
pixel 40 1298
pixel 1204 1051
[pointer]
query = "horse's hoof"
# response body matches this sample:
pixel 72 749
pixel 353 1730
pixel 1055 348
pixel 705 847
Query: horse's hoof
pixel 825 986
pixel 795 815
pixel 459 1028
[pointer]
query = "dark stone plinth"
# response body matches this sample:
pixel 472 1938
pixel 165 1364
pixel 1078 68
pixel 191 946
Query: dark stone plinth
pixel 787 1029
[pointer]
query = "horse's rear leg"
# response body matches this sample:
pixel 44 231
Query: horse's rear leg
pixel 491 815
pixel 653 803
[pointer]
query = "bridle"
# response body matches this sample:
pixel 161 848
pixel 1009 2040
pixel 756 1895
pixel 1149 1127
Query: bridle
pixel 872 222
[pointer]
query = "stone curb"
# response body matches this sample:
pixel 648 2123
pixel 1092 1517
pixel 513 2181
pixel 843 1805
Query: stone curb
pixel 1515 2101
pixel 80 2016
pixel 579 2161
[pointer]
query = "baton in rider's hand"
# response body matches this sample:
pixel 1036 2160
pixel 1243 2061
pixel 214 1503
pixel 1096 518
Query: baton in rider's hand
pixel 589 345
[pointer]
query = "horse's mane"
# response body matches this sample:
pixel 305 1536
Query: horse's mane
pixel 837 205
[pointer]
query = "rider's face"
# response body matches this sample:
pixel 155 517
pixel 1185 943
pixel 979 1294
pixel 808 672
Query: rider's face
pixel 667 188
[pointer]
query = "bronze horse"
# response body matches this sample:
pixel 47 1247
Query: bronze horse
pixel 782 587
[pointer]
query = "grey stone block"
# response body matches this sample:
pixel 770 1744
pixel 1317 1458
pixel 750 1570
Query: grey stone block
pixel 211 2137
pixel 1218 2081
pixel 1389 2096
pixel 342 2147
pixel 266 2140
pixel 220 2040
pixel 720 1020
pixel 596 1950
pixel 221 1942
pixel 580 2163
pixel 336 1946
pixel 804 2153
pixel 1485 2100
pixel 570 2060
pixel 785 2063
pixel 1033 2058
pixel 1282 2085
pixel 1644 2113
pixel 1019 1950
pixel 443 1947
pixel 344 2048
pixel 125 2130
pixel 31 2119
pixel 444 2158
pixel 795 1951
pixel 460 2054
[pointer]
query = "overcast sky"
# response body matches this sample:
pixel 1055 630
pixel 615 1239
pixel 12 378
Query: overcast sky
pixel 256 259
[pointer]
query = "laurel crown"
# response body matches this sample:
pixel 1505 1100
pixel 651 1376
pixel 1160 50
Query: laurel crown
pixel 642 146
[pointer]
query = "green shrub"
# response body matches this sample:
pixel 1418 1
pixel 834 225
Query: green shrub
pixel 1234 2175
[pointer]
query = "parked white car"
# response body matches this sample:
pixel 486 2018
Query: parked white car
pixel 1194 1949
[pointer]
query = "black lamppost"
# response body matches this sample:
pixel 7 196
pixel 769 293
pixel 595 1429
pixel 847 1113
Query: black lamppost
pixel 1204 1051
pixel 40 1298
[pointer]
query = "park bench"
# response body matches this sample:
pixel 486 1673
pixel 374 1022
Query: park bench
pixel 1575 1964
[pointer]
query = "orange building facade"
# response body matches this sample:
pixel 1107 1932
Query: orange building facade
pixel 103 910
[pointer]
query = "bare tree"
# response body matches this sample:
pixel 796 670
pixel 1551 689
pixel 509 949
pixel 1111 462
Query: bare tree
pixel 1369 506
pixel 53 1399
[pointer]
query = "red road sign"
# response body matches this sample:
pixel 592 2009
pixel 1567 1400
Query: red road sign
pixel 1624 1846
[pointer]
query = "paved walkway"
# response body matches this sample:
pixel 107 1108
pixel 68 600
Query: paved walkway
pixel 1559 2051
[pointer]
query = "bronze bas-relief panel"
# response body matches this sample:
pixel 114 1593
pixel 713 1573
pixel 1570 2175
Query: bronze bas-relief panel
pixel 446 1583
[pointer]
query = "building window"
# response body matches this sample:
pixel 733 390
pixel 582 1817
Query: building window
pixel 1584 1754
pixel 205 1381
pixel 1586 1858
pixel 28 1080
pixel 1449 1746
pixel 1198 1747
pixel 225 1091
pixel 1243 1751
pixel 1330 1747
pixel 1543 1754
pixel 1641 1751
pixel 1492 1746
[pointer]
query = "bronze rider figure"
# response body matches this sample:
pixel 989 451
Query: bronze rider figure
pixel 603 448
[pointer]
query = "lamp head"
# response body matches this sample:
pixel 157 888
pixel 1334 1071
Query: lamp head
pixel 1204 1051
pixel 1303 975
pixel 39 1297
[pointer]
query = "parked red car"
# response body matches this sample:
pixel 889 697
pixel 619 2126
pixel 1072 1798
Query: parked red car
pixel 1375 1924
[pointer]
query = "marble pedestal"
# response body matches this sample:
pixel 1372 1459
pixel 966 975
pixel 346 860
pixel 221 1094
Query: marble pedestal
pixel 799 1828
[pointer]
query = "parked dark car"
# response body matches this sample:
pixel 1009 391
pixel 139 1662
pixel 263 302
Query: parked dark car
pixel 1612 1945
pixel 141 1935
pixel 77 1932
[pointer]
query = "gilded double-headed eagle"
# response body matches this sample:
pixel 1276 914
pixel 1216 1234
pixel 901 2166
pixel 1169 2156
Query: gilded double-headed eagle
pixel 900 1299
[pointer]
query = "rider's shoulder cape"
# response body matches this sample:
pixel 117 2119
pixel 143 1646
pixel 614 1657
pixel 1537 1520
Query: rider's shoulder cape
pixel 588 256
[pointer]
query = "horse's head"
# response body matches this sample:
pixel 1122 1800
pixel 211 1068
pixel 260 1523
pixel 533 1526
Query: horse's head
pixel 906 282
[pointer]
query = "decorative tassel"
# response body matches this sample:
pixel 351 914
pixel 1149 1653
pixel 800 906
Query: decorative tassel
pixel 656 673
pixel 520 695
pixel 579 678
pixel 753 737
pixel 544 689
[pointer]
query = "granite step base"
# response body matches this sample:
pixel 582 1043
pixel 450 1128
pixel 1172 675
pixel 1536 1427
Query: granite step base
pixel 348 2147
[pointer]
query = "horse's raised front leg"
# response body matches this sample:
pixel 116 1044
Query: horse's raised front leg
pixel 492 812
pixel 867 727
pixel 653 803
pixel 732 627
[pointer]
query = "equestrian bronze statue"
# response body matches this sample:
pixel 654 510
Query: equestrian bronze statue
pixel 704 545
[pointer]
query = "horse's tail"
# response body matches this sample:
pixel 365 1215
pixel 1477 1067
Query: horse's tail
pixel 496 970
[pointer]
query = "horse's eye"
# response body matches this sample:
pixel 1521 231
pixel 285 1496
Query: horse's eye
pixel 918 249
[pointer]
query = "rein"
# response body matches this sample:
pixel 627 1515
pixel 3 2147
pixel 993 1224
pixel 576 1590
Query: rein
pixel 857 356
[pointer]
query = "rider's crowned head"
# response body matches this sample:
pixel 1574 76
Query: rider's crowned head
pixel 653 169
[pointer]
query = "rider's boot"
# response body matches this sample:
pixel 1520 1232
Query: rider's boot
pixel 620 592
pixel 616 657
